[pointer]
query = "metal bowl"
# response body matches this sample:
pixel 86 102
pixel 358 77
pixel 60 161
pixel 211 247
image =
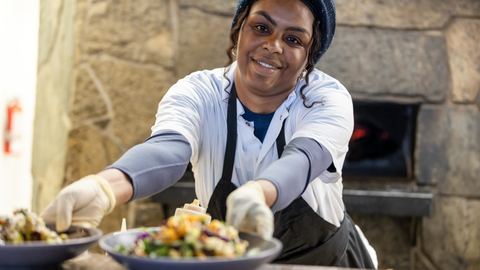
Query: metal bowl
pixel 41 255
pixel 269 250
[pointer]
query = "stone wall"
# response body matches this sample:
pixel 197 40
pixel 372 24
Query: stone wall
pixel 105 65
pixel 422 51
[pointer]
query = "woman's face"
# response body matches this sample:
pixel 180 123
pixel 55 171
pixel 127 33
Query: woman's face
pixel 272 47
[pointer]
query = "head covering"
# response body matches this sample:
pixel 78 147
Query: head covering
pixel 324 10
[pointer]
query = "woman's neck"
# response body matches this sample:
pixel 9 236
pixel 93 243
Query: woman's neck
pixel 262 104
pixel 257 104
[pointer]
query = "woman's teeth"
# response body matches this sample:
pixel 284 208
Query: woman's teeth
pixel 265 65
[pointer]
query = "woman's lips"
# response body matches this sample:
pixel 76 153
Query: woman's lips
pixel 265 64
pixel 265 68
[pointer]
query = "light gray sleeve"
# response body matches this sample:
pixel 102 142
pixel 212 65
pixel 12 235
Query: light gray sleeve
pixel 156 164
pixel 303 160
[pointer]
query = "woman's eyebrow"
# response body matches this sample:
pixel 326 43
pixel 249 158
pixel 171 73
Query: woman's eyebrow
pixel 265 14
pixel 298 29
pixel 274 23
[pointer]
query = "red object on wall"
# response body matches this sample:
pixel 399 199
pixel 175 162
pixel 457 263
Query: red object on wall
pixel 14 133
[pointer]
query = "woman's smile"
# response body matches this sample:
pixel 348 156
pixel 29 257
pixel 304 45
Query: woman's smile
pixel 265 67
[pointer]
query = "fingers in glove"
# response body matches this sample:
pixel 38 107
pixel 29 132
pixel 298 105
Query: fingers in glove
pixel 264 226
pixel 87 222
pixel 236 215
pixel 65 205
pixel 49 214
pixel 259 220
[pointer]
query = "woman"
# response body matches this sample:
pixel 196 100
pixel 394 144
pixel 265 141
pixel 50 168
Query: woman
pixel 233 124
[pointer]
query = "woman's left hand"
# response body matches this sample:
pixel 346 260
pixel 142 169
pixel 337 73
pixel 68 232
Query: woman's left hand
pixel 248 212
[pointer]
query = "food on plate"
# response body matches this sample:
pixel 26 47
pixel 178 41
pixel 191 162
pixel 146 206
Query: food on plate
pixel 25 226
pixel 195 209
pixel 188 236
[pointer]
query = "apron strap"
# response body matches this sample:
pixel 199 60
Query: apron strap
pixel 231 135
pixel 281 140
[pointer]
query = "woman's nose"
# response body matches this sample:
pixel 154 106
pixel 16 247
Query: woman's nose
pixel 273 44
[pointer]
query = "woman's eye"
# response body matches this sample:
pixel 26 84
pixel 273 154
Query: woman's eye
pixel 293 40
pixel 261 28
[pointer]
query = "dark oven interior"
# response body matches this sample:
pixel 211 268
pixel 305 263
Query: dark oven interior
pixel 382 142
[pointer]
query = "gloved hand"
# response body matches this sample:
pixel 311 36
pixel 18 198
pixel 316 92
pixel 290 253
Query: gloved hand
pixel 83 203
pixel 248 212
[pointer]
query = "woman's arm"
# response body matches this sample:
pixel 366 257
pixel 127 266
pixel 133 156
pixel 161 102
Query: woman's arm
pixel 284 180
pixel 120 184
pixel 269 191
pixel 150 167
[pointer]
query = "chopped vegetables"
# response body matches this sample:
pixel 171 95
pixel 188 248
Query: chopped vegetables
pixel 25 226
pixel 188 236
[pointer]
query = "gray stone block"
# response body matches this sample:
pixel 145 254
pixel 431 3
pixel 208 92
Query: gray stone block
pixel 463 39
pixel 203 40
pixel 390 63
pixel 139 31
pixel 451 237
pixel 416 14
pixel 88 101
pixel 389 236
pixel 448 148
pixel 89 152
pixel 224 7
pixel 134 92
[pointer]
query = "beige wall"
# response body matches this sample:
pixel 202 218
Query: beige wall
pixel 104 65
pixel 18 75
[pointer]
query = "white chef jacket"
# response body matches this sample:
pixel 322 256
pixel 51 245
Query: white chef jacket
pixel 196 107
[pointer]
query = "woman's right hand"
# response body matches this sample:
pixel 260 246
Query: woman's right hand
pixel 83 203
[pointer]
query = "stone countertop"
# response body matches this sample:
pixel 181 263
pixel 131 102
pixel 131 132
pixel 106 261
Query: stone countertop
pixel 93 261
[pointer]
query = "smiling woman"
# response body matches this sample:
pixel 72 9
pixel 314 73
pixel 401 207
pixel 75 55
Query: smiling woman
pixel 266 135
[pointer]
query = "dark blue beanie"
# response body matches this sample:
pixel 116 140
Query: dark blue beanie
pixel 324 10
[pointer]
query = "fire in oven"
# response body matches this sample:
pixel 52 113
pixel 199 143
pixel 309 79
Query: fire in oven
pixel 382 142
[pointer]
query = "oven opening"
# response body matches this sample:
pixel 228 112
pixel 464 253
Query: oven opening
pixel 382 142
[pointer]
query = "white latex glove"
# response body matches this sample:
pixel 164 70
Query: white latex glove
pixel 248 212
pixel 83 203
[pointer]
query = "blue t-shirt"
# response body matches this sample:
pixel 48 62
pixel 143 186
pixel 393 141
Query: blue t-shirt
pixel 260 122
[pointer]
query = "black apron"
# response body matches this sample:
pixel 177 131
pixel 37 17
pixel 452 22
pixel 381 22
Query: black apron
pixel 307 238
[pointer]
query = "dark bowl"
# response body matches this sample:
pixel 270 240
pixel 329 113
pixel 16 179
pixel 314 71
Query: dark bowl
pixel 41 255
pixel 269 250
